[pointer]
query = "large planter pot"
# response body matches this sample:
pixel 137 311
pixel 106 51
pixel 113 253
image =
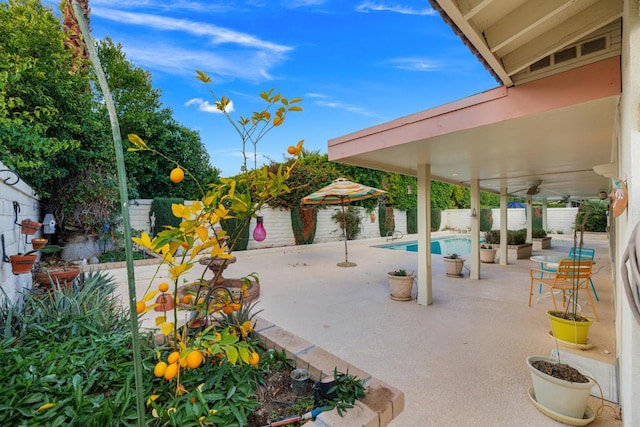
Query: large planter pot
pixel 569 331
pixel 488 255
pixel 304 220
pixel 401 286
pixel 63 275
pixel 568 399
pixel 523 251
pixel 453 266
pixel 21 264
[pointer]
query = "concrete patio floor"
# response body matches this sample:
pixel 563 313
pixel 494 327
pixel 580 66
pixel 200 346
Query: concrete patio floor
pixel 459 361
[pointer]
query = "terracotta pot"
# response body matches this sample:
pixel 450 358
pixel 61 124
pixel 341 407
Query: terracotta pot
pixel 30 227
pixel 64 275
pixel 488 255
pixel 21 264
pixel 38 243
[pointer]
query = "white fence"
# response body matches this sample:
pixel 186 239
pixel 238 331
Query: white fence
pixel 559 220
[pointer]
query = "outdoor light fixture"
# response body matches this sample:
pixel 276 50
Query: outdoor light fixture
pixel 259 233
pixel 474 213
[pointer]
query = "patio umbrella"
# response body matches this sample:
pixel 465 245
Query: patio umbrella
pixel 342 191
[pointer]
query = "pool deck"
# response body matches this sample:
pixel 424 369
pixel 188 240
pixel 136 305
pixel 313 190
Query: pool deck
pixel 459 361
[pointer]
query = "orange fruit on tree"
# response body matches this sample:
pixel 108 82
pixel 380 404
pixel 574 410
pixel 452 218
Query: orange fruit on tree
pixel 194 359
pixel 176 175
pixel 183 362
pixel 291 150
pixel 171 371
pixel 160 369
pixel 187 299
pixel 227 309
pixel 164 287
pixel 235 306
pixel 173 357
pixel 140 307
pixel 254 358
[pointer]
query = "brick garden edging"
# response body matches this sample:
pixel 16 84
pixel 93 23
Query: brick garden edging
pixel 381 404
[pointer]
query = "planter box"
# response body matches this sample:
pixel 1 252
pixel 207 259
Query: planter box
pixel 378 408
pixel 523 251
pixel 540 243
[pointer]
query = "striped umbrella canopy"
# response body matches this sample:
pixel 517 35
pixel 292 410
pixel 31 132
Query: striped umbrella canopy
pixel 342 191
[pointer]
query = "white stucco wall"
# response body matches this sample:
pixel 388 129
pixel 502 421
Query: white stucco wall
pixel 14 240
pixel 628 159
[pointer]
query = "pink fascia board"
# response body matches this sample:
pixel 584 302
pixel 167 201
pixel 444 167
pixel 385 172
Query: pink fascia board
pixel 594 81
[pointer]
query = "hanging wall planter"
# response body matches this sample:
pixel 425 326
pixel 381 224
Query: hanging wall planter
pixel 30 227
pixel 21 264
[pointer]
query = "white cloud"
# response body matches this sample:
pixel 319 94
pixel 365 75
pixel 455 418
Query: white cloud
pixel 207 107
pixel 370 6
pixel 325 101
pixel 294 4
pixel 417 64
pixel 218 35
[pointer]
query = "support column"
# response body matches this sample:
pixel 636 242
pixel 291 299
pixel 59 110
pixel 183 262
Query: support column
pixel 504 220
pixel 529 219
pixel 475 230
pixel 424 235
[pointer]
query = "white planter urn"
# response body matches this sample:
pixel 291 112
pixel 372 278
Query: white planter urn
pixel 401 286
pixel 562 397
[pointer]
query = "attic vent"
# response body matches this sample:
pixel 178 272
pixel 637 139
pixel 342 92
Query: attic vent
pixel 593 46
pixel 565 55
pixel 543 63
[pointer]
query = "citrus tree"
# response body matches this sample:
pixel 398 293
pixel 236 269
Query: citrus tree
pixel 181 394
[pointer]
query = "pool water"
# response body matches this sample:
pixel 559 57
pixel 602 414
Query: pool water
pixel 441 246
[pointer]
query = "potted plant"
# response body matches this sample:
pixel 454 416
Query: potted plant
pixel 401 284
pixel 23 262
pixel 38 243
pixel 52 271
pixel 570 326
pixel 487 253
pixel 559 390
pixel 453 264
pixel 557 387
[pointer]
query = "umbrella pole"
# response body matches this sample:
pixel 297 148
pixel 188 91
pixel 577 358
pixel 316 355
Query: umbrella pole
pixel 344 228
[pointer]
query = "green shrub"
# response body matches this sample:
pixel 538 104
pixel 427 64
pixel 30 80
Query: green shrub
pixel 386 221
pixel 412 220
pixel 538 233
pixel 514 237
pixel 492 236
pixel 486 219
pixel 436 217
pixel 161 209
pixel 350 219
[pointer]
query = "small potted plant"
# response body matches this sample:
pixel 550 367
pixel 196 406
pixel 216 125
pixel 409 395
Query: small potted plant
pixel 401 284
pixel 23 262
pixel 487 253
pixel 453 264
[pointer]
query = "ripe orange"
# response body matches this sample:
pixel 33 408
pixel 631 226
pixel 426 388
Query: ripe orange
pixel 164 287
pixel 194 359
pixel 254 358
pixel 140 307
pixel 187 299
pixel 227 309
pixel 160 369
pixel 171 371
pixel 235 306
pixel 291 150
pixel 173 357
pixel 176 175
pixel 183 362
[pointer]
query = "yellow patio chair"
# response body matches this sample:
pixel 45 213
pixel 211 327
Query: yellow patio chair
pixel 571 272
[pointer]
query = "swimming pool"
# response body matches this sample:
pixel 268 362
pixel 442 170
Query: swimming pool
pixel 441 246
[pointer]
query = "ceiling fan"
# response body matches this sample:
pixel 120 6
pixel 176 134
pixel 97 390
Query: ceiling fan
pixel 535 188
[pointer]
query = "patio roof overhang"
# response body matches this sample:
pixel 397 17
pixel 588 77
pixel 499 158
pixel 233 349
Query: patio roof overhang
pixel 554 130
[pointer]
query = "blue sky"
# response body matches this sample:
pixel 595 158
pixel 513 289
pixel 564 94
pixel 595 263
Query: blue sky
pixel 355 63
